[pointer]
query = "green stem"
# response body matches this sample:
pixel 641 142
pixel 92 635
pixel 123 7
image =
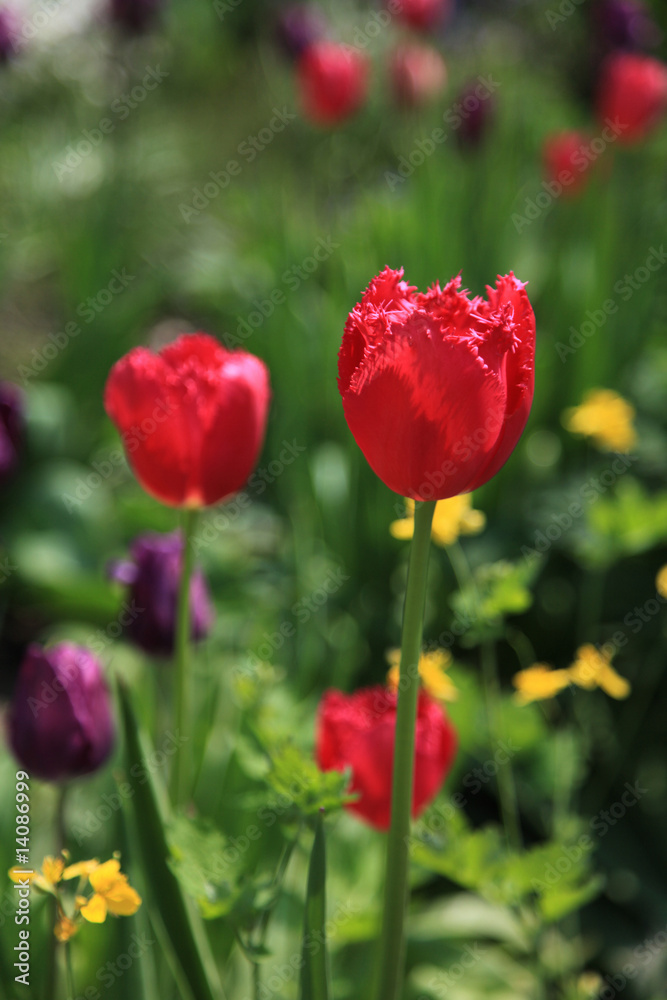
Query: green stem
pixel 68 971
pixel 51 975
pixel 178 783
pixel 392 938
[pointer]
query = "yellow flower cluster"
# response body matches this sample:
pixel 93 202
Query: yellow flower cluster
pixel 432 671
pixel 605 417
pixel 112 893
pixel 591 669
pixel 451 518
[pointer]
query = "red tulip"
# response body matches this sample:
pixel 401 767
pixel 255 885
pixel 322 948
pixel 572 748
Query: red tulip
pixel 566 161
pixel 357 731
pixel 333 81
pixel 437 387
pixel 420 14
pixel 633 90
pixel 418 74
pixel 192 418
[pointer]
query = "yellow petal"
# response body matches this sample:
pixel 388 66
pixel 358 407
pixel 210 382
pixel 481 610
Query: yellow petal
pixel 661 581
pixel 539 682
pixel 606 418
pixel 52 869
pixel 613 684
pixel 95 909
pixel 123 901
pixel 105 876
pixel 587 666
pixel 81 869
pixel 454 517
pixel 17 875
pixel 403 529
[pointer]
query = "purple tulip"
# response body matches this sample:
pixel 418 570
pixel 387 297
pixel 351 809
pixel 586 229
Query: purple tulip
pixel 9 32
pixel 60 721
pixel 153 577
pixel 625 24
pixel 476 114
pixel 11 428
pixel 135 15
pixel 298 26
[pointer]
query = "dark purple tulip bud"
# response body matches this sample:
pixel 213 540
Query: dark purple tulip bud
pixel 476 114
pixel 625 24
pixel 135 15
pixel 9 34
pixel 153 575
pixel 298 26
pixel 11 428
pixel 60 721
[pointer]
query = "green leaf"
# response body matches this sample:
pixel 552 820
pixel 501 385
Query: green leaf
pixel 625 523
pixel 314 973
pixel 296 776
pixel 499 589
pixel 562 899
pixel 208 869
pixel 183 938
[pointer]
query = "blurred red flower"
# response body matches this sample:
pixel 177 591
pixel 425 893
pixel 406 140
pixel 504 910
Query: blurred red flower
pixel 192 418
pixel 358 731
pixel 437 387
pixel 418 74
pixel 332 81
pixel 566 162
pixel 633 89
pixel 420 14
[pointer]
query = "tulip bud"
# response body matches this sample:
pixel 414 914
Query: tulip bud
pixel 298 26
pixel 624 24
pixel 9 34
pixel 422 14
pixel 632 95
pixel 418 74
pixel 566 162
pixel 11 428
pixel 153 578
pixel 333 80
pixel 135 15
pixel 475 115
pixel 60 721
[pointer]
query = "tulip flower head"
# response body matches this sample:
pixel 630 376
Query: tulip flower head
pixel 60 721
pixel 418 74
pixel 332 81
pixel 566 162
pixel 437 387
pixel 632 91
pixel 298 26
pixel 476 110
pixel 153 577
pixel 606 418
pixel 357 731
pixel 420 14
pixel 10 38
pixel 624 24
pixel 192 418
pixel 11 429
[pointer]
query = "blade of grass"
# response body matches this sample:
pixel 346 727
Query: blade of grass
pixel 314 972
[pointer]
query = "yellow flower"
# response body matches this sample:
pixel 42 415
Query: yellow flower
pixel 432 667
pixel 539 682
pixel 661 581
pixel 81 869
pixel 605 417
pixel 113 894
pixel 592 669
pixel 45 878
pixel 452 517
pixel 64 928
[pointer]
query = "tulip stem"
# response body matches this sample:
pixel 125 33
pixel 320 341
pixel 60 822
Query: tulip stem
pixel 392 939
pixel 69 972
pixel 178 786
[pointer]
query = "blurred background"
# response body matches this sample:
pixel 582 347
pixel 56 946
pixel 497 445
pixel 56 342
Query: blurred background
pixel 161 171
